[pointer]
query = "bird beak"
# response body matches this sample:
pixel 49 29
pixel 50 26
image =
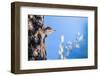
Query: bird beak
pixel 54 30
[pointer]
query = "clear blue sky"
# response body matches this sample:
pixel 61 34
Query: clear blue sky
pixel 67 26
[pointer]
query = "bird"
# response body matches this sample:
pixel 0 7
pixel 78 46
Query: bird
pixel 37 33
pixel 44 33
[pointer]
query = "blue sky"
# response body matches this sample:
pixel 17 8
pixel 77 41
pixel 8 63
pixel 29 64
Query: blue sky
pixel 67 26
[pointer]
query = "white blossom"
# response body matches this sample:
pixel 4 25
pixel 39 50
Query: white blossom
pixel 69 46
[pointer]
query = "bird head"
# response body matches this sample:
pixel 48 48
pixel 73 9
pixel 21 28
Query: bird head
pixel 49 30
